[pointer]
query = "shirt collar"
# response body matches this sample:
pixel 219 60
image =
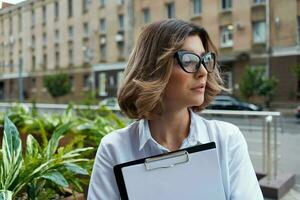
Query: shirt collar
pixel 197 134
pixel 144 133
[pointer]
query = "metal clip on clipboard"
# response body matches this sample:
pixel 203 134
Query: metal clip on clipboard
pixel 167 161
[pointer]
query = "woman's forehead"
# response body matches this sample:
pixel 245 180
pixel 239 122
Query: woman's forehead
pixel 193 44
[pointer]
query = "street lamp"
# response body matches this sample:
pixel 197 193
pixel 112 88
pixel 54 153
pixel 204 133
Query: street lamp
pixel 21 86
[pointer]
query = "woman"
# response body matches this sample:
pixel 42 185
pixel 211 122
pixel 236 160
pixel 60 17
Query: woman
pixel 171 74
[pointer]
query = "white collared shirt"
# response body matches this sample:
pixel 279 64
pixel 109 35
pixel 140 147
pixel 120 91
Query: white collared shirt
pixel 135 141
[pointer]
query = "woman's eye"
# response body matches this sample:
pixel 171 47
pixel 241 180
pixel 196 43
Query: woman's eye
pixel 186 62
pixel 189 60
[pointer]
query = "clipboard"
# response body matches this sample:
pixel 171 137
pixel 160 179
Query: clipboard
pixel 192 173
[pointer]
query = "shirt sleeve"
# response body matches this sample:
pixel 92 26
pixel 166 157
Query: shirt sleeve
pixel 243 182
pixel 103 185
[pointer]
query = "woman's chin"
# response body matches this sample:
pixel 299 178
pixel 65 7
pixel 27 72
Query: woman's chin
pixel 198 103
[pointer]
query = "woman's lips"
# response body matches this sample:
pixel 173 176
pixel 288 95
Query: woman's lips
pixel 200 88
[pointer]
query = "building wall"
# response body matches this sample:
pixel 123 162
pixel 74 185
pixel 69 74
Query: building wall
pixel 285 32
pixel 17 45
pixel 283 69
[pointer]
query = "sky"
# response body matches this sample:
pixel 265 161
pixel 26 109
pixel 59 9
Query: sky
pixel 12 1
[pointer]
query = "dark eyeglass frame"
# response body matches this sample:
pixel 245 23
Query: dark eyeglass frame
pixel 179 54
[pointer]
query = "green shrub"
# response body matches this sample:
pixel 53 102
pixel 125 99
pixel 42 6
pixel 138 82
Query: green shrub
pixel 38 167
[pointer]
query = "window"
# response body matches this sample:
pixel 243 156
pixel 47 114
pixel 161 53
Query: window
pixel 87 53
pixel 102 25
pixel 121 49
pixel 56 10
pixel 146 15
pixel 70 8
pixel 86 81
pixel 10 25
pixel 259 1
pixel 33 63
pixel 111 81
pixel 44 39
pixel 102 3
pixel 170 10
pixel 103 52
pixel 84 6
pixel 20 44
pixel 33 41
pixel 45 61
pixel 71 57
pixel 2 66
pixel 20 22
pixel 119 78
pixel 121 22
pixel 86 29
pixel 32 18
pixel 120 2
pixel 71 32
pixel 56 36
pixel 259 32
pixel 2 27
pixel 57 57
pixel 227 36
pixel 197 7
pixel 228 81
pixel 102 84
pixel 44 14
pixel 226 4
pixel 11 65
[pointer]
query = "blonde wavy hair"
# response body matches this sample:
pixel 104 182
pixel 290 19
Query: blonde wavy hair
pixel 150 65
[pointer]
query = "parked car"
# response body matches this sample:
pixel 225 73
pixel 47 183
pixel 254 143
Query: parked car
pixel 225 102
pixel 111 103
pixel 298 112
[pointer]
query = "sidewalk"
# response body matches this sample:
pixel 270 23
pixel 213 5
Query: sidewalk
pixel 290 162
pixel 286 111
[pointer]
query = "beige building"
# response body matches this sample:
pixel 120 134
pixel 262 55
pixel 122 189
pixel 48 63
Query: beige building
pixel 47 36
pixel 90 40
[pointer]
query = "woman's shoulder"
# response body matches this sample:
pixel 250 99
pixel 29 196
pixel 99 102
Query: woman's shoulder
pixel 221 129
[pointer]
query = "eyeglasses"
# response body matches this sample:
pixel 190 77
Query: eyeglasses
pixel 191 62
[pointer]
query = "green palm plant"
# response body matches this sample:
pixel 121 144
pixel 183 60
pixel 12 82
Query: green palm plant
pixel 38 167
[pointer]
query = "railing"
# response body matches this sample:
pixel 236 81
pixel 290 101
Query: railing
pixel 264 124
pixel 45 108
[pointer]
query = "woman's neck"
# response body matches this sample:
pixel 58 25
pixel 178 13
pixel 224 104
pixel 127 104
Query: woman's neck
pixel 170 128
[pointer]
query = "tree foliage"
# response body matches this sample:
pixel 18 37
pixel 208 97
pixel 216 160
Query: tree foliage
pixel 296 71
pixel 255 83
pixel 58 84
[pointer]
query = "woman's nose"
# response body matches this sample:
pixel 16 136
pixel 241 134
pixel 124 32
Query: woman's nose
pixel 201 72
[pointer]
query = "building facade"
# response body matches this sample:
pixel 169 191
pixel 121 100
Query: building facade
pixel 91 40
